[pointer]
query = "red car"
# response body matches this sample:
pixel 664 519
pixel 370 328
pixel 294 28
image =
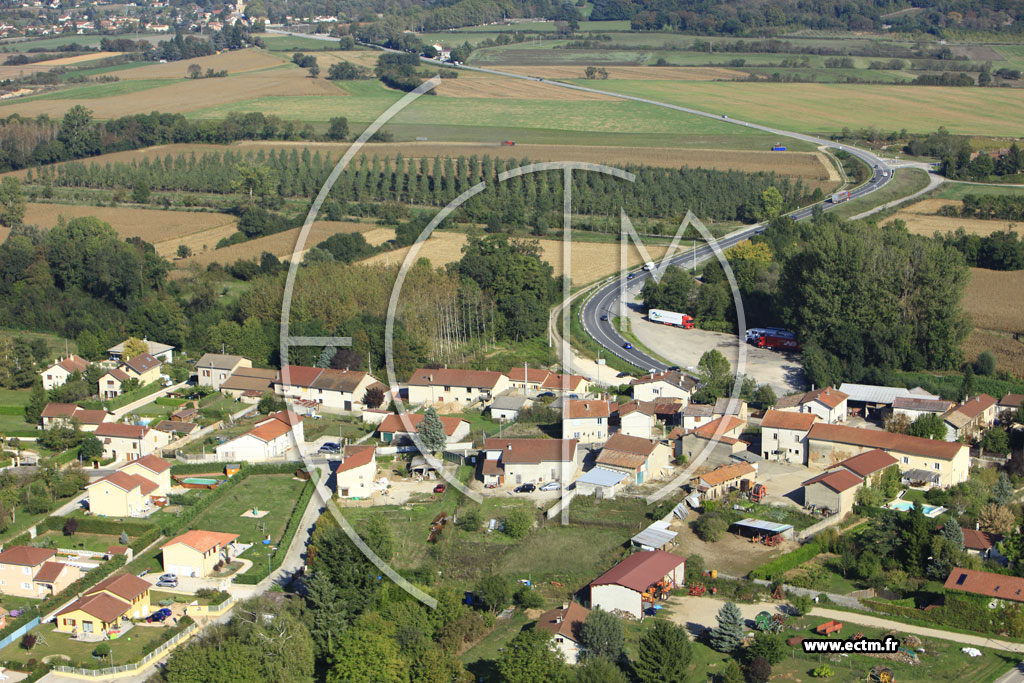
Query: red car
pixel 440 488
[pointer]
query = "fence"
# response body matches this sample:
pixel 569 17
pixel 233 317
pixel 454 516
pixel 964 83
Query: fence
pixel 19 632
pixel 563 502
pixel 131 668
pixel 816 528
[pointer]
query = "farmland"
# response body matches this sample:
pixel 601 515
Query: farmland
pixel 921 219
pixel 236 61
pixel 641 73
pixel 79 59
pixel 995 301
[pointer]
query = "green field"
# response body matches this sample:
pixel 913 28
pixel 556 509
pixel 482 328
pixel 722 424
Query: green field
pixel 955 190
pixel 52 43
pixel 94 542
pixel 276 43
pixel 906 181
pixel 98 90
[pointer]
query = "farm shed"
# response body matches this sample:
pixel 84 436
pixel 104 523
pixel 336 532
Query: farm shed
pixel 834 491
pixel 655 537
pixel 600 482
pixel 758 527
pixel 621 588
pixel 506 408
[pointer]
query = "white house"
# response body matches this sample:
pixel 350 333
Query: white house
pixel 69 413
pixel 163 352
pixel 623 586
pixel 506 408
pixel 668 384
pixel 638 418
pixel 278 436
pixel 784 435
pixel 564 624
pixel 586 420
pixel 444 385
pixel 129 442
pixel 398 429
pixel 353 477
pixel 829 404
pixel 333 390
pixel 58 373
pixel 529 460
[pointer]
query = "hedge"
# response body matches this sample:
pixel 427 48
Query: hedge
pixel 783 563
pixel 257 574
pixel 168 401
pixel 100 525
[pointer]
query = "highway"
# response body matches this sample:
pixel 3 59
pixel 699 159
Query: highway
pixel 605 301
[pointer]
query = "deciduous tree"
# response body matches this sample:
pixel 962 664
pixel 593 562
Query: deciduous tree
pixel 602 634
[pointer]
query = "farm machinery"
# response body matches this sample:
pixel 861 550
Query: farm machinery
pixel 882 674
pixel 770 622
pixel 758 492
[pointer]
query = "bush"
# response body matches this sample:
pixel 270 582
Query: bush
pixel 28 641
pixel 101 650
pixel 518 523
pixel 710 528
pixel 527 598
pixel 823 671
pixel 783 563
pixel 470 519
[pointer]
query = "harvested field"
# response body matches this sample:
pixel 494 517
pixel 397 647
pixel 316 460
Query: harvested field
pixel 281 244
pixel 92 56
pixel 379 236
pixel 17 71
pixel 811 166
pixel 233 61
pixel 642 73
pixel 165 230
pixel 1009 352
pixel 491 87
pixel 364 58
pixel 590 261
pixel 995 299
pixel 188 95
pixel 921 220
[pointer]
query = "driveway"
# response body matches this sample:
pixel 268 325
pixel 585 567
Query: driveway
pixel 145 400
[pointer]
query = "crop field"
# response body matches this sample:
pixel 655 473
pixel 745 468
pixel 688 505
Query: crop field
pixel 79 59
pixel 17 71
pixel 921 219
pixel 995 302
pixel 590 261
pixel 820 108
pixel 364 58
pixel 281 244
pixel 525 55
pixel 637 73
pixel 234 61
pixel 500 87
pixel 954 190
pixel 165 230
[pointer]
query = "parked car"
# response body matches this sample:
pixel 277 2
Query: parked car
pixel 551 486
pixel 492 485
pixel 167 583
pixel 330 447
pixel 440 488
pixel 673 368
pixel 525 488
pixel 622 374
pixel 167 577
pixel 546 394
pixel 159 615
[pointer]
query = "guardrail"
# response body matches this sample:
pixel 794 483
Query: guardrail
pixel 135 667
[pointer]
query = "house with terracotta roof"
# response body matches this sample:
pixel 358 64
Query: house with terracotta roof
pixel 69 413
pixel 784 435
pixel 983 544
pixel 144 368
pixel 213 369
pixel 539 380
pixel 586 420
pixel 638 418
pixel 102 609
pixel 966 421
pixel 623 586
pixel 249 384
pixel 868 465
pixel 924 461
pixel 668 384
pixel 718 482
pixel 642 460
pixel 332 390
pixel 57 374
pixel 447 385
pixel 529 461
pixel 829 404
pixel 196 552
pixel 162 352
pixel 33 572
pixel 120 494
pixel 128 442
pixel 564 624
pixel 913 407
pixel 722 433
pixel 278 436
pixel 527 378
pixel 398 429
pixel 999 586
pixel 154 468
pixel 353 477
pixel 833 491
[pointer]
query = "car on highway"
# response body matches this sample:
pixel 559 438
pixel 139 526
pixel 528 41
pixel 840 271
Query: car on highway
pixel 551 486
pixel 440 488
pixel 673 368
pixel 525 488
pixel 631 276
pixel 627 345
pixel 604 318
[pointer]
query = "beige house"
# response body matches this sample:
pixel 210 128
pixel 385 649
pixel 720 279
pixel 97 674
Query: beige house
pixel 196 552
pixel 829 404
pixel 128 442
pixel 533 379
pixel 642 460
pixel 722 434
pixel 966 421
pixel 332 390
pixel 529 461
pixel 162 352
pixel 564 624
pixel 623 586
pixel 145 368
pixel 214 368
pixel 668 384
pixel 58 373
pixel 69 413
pixel 721 480
pixel 696 415
pixel 586 420
pixel 832 492
pixel 925 461
pixel 353 477
pixel 154 468
pixel 398 429
pixel 913 407
pixel 249 384
pixel 444 385
pixel 278 436
pixel 29 572
pixel 121 494
pixel 784 435
pixel 638 418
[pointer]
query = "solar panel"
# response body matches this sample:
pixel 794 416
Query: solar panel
pixel 961 579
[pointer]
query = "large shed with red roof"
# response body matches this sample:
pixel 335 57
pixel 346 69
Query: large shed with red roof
pixel 622 587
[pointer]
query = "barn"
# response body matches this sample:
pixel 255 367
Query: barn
pixel 622 587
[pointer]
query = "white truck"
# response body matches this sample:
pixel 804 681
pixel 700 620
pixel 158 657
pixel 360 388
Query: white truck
pixel 840 196
pixel 656 315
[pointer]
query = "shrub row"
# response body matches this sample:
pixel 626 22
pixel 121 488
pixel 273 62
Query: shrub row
pixel 257 574
pixel 783 563
pixel 100 525
pixel 168 401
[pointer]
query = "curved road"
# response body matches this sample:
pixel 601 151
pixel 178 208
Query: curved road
pixel 605 302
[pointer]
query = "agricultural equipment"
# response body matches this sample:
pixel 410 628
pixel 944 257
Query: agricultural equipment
pixel 758 492
pixel 698 589
pixel 508 143
pixel 763 621
pixel 829 627
pixel 882 674
pixel 658 591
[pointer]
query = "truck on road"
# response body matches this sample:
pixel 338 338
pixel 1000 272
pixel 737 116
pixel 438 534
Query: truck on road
pixel 840 196
pixel 656 315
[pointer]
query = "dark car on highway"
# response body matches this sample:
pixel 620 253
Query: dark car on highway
pixel 604 318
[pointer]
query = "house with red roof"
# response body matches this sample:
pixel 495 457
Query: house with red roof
pixel 667 384
pixel 999 586
pixel 721 480
pixel 69 413
pixel 34 572
pixel 448 385
pixel 120 494
pixel 529 461
pixel 330 389
pixel 784 435
pixel 353 477
pixel 829 404
pixel 143 368
pixel 100 611
pixel 128 442
pixel 722 434
pixel 564 624
pixel 398 429
pixel 966 421
pixel 539 380
pixel 278 436
pixel 622 587
pixel 57 374
pixel 586 420
pixel 640 459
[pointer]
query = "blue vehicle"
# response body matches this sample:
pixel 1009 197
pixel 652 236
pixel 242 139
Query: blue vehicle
pixel 627 345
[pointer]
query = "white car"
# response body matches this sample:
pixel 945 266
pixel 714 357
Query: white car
pixel 551 486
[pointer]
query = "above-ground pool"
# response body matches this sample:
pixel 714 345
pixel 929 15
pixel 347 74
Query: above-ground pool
pixel 199 483
pixel 907 505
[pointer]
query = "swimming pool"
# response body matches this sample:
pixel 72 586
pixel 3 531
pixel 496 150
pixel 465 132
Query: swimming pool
pixel 200 481
pixel 907 505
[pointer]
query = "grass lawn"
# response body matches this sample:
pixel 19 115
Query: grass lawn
pixel 157 597
pixel 480 659
pixel 954 190
pixel 80 541
pixel 15 397
pixel 480 425
pixel 129 648
pixel 12 602
pixel 92 91
pixel 340 426
pixel 906 181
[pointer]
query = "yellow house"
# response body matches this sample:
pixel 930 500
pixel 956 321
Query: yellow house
pixel 145 368
pixel 34 572
pixel 102 608
pixel 196 552
pixel 121 495
pixel 129 442
pixel 154 468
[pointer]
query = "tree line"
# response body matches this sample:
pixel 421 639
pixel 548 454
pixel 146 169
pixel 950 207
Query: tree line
pixel 998 251
pixel 987 207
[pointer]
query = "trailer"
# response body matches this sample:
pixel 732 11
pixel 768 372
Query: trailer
pixel 672 318
pixel 777 343
pixel 778 148
pixel 508 143
pixel 838 197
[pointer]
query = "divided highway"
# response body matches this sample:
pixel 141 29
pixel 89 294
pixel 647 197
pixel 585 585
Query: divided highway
pixel 605 301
